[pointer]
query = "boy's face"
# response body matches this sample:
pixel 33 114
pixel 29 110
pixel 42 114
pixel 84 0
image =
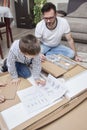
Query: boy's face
pixel 29 56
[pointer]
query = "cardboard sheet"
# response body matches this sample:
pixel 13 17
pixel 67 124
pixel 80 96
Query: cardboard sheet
pixel 73 120
pixel 9 91
pixel 57 65
pixel 74 71
pixel 9 95
pixel 53 69
pixel 4 89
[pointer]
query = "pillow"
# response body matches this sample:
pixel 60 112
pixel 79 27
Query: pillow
pixel 62 6
pixel 61 13
pixel 77 8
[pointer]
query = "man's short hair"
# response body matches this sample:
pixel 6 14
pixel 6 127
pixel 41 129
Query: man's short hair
pixel 47 7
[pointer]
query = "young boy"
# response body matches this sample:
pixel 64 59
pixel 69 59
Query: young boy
pixel 22 53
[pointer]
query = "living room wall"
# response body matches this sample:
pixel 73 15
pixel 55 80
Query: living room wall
pixel 13 10
pixel 55 2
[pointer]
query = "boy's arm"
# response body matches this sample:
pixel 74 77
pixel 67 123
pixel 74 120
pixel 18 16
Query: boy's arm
pixel 36 67
pixel 11 64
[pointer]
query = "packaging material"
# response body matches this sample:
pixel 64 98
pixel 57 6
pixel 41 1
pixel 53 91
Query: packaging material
pixel 10 90
pixel 45 117
pixel 57 65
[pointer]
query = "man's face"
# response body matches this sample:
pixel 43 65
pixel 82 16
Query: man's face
pixel 49 17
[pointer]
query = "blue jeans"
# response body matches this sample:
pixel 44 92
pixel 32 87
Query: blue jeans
pixel 60 49
pixel 23 70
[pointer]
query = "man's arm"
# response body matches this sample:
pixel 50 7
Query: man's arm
pixel 72 46
pixel 70 41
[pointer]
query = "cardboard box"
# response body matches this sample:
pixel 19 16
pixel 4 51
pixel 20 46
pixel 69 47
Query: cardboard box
pixel 73 120
pixel 12 99
pixel 45 117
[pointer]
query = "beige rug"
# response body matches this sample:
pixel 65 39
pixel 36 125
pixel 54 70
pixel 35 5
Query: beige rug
pixel 84 59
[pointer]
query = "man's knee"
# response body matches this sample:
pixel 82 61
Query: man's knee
pixel 72 54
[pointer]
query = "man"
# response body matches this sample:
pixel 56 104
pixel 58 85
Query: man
pixel 50 31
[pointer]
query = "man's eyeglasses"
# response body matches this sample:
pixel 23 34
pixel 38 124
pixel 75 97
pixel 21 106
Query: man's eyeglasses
pixel 48 18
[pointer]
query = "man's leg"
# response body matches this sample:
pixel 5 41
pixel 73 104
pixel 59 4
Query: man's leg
pixel 44 49
pixel 22 70
pixel 61 49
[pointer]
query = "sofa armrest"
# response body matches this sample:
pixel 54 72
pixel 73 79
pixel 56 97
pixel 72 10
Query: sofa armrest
pixel 61 13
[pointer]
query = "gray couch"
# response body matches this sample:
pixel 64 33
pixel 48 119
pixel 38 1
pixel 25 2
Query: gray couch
pixel 77 17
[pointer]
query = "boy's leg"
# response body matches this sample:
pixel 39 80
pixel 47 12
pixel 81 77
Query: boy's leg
pixel 23 70
pixel 61 49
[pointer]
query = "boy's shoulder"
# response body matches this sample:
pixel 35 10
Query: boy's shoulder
pixel 15 44
pixel 41 23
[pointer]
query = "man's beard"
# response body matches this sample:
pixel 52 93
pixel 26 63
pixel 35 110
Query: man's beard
pixel 51 25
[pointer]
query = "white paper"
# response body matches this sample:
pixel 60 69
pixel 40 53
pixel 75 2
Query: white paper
pixel 76 84
pixel 37 97
pixel 15 115
pixel 33 99
pixel 31 80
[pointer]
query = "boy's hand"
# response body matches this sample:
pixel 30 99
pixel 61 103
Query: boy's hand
pixel 2 98
pixel 43 57
pixel 40 82
pixel 16 81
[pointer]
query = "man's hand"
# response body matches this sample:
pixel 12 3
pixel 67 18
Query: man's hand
pixel 43 57
pixel 78 58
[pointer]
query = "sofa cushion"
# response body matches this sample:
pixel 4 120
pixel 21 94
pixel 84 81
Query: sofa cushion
pixel 77 24
pixel 62 6
pixel 77 8
pixel 80 37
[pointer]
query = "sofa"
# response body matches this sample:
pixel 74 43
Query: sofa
pixel 77 18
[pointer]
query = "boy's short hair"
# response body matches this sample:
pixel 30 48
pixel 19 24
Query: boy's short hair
pixel 29 45
pixel 47 7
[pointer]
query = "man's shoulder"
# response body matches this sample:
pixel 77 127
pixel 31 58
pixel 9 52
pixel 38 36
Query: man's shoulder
pixel 41 23
pixel 61 19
